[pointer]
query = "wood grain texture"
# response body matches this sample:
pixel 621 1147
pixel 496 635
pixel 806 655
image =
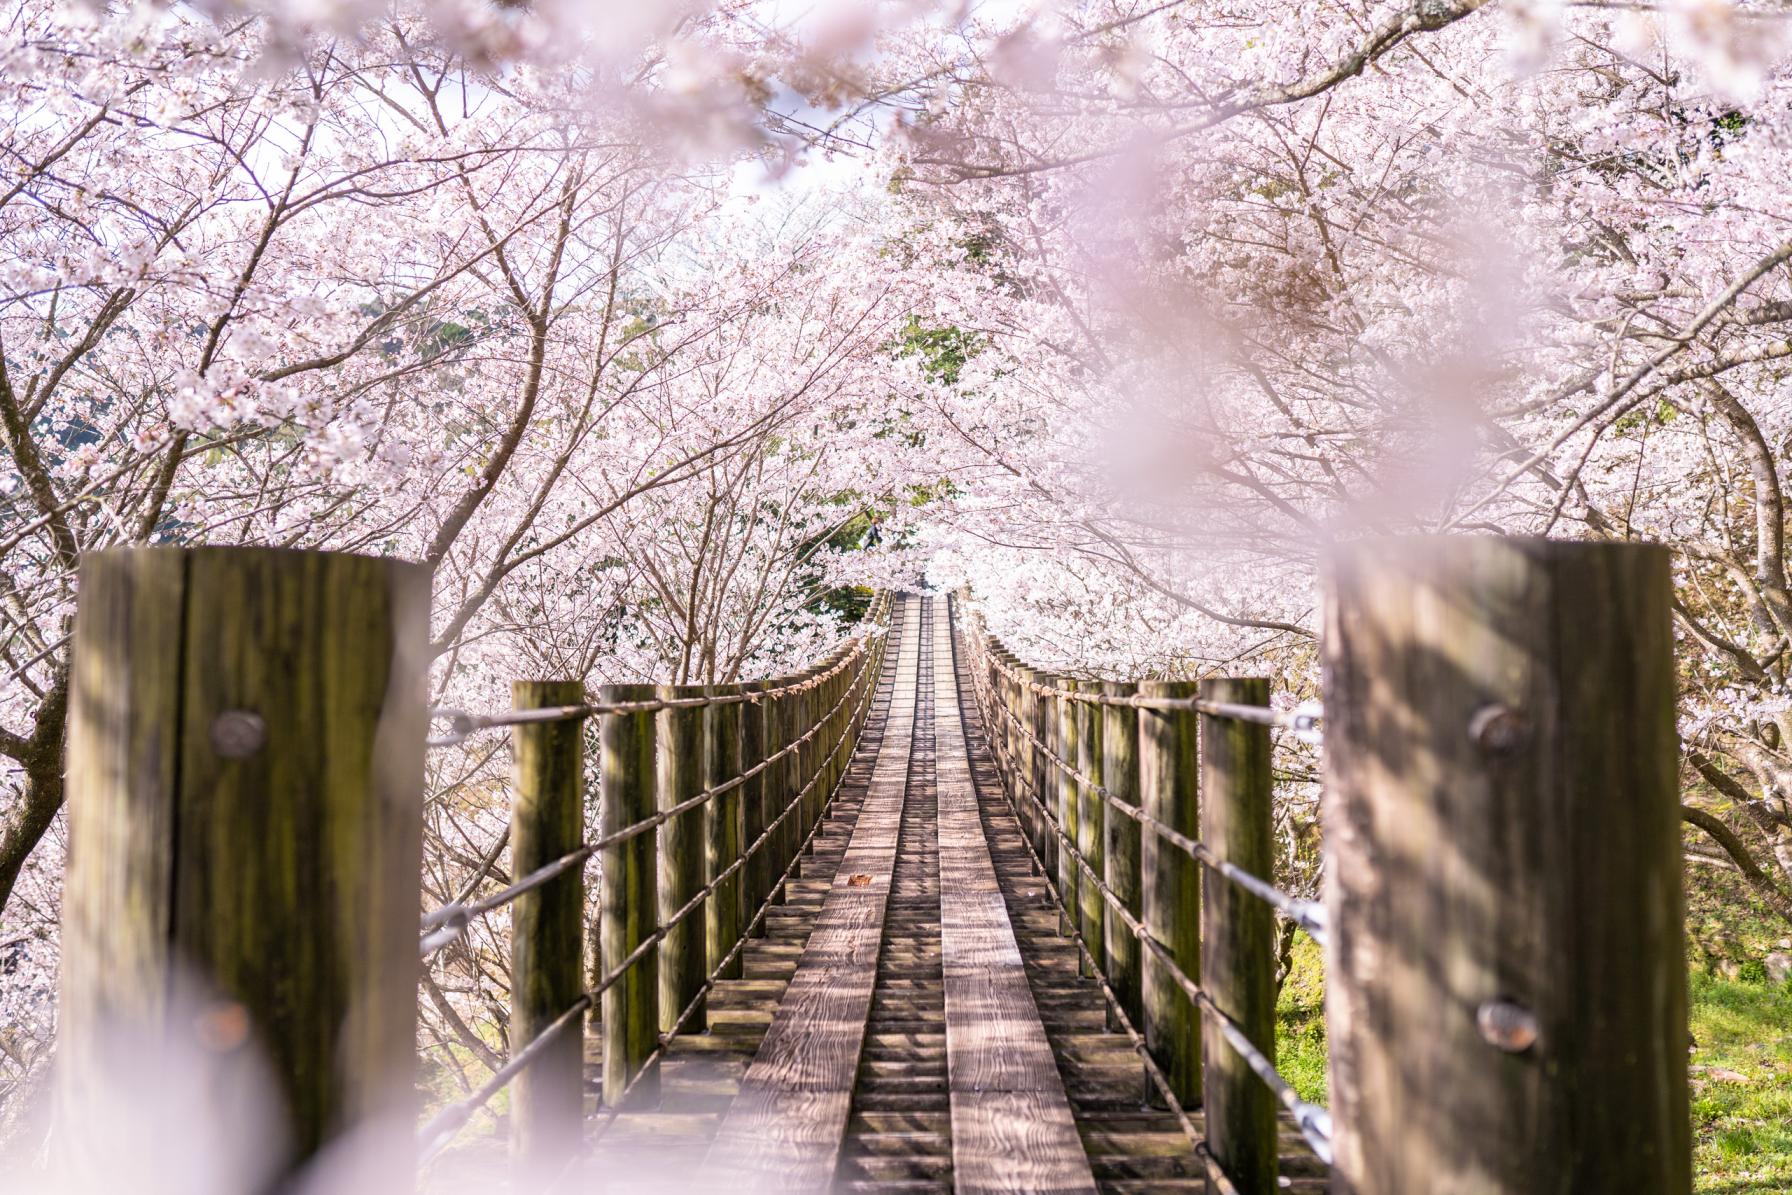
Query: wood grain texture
pixel 1545 872
pixel 1238 936
pixel 683 953
pixel 784 1130
pixel 1012 1128
pixel 280 874
pixel 1120 776
pixel 1169 772
pixel 547 930
pixel 725 915
pixel 628 907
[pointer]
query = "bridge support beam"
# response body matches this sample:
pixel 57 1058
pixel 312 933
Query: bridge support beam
pixel 1506 971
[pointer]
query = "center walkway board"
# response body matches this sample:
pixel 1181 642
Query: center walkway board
pixel 1012 1128
pixel 784 1130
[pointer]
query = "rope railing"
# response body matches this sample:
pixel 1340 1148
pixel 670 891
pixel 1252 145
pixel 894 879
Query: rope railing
pixel 1304 720
pixel 615 974
pixel 439 1133
pixel 464 724
pixel 1312 1120
pixel 740 943
pixel 446 923
pixel 1308 914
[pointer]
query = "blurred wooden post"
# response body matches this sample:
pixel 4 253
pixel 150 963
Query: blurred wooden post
pixel 1171 886
pixel 1120 776
pixel 1091 829
pixel 547 822
pixel 1506 986
pixel 756 876
pixel 724 914
pixel 245 787
pixel 629 903
pixel 682 951
pixel 1238 936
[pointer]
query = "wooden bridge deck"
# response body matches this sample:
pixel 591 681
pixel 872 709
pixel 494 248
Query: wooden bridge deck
pixel 911 1020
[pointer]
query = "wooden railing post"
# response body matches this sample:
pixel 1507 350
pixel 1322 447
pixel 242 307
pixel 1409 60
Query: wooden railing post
pixel 1120 776
pixel 1238 935
pixel 725 915
pixel 1044 726
pixel 1065 790
pixel 755 726
pixel 810 755
pixel 629 901
pixel 1169 767
pixel 781 785
pixel 1091 829
pixel 547 822
pixel 1505 970
pixel 682 951
pixel 245 785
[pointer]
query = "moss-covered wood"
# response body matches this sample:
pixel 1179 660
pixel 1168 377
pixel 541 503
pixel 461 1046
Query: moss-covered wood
pixel 1238 935
pixel 629 900
pixel 245 777
pixel 1120 858
pixel 683 955
pixel 547 822
pixel 1169 770
pixel 724 914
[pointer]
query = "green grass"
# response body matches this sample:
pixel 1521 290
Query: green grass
pixel 1741 1072
pixel 1741 1086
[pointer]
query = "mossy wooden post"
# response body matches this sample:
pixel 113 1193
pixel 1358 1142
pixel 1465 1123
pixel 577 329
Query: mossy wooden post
pixel 725 915
pixel 1091 829
pixel 1505 972
pixel 1032 768
pixel 755 802
pixel 1238 935
pixel 778 789
pixel 1120 776
pixel 810 755
pixel 1068 803
pixel 547 822
pixel 682 950
pixel 245 787
pixel 1169 767
pixel 629 903
pixel 1045 773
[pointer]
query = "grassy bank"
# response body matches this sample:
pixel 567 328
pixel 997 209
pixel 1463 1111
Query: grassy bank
pixel 1741 1072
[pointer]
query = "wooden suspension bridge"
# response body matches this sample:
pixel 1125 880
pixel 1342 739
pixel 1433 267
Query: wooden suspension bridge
pixel 921 918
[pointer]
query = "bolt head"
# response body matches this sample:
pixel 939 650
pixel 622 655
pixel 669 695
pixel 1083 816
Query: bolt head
pixel 238 734
pixel 1498 729
pixel 1507 1027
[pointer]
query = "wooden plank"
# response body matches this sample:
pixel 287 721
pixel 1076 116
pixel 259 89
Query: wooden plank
pixel 1012 1129
pixel 784 1130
